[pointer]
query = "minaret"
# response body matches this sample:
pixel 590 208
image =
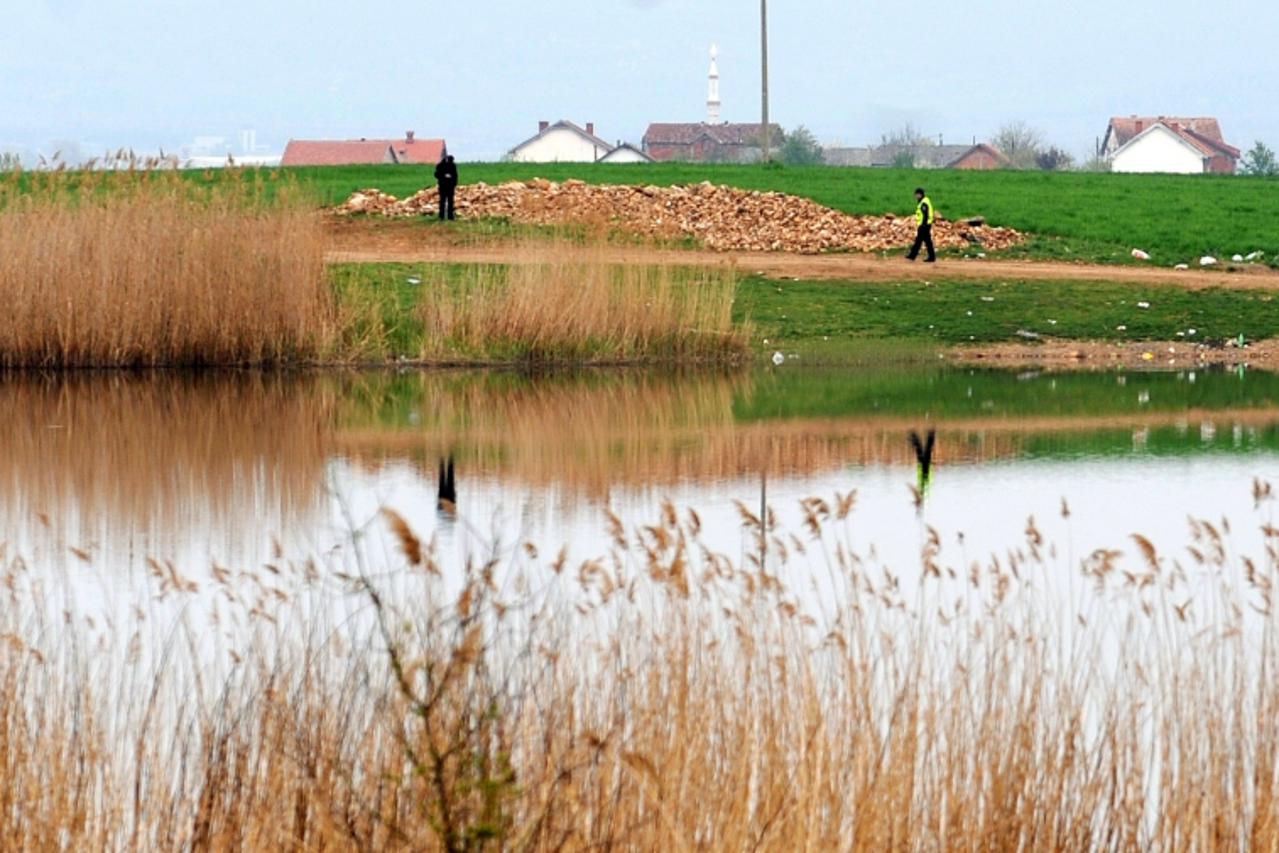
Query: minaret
pixel 712 89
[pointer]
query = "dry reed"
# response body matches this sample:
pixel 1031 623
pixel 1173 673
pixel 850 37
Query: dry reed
pixel 130 267
pixel 663 696
pixel 575 306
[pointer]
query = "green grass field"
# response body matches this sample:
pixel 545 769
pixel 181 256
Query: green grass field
pixel 808 313
pixel 1074 216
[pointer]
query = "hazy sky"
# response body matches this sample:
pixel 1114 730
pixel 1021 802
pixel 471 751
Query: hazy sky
pixel 143 73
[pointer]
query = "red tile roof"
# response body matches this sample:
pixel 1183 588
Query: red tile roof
pixel 1202 132
pixel 323 152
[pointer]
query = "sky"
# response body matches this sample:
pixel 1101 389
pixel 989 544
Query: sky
pixel 146 75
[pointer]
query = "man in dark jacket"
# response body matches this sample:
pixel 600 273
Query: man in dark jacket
pixel 446 178
pixel 924 218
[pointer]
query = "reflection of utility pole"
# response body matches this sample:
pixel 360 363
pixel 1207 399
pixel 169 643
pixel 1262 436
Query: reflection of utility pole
pixel 763 70
pixel 763 516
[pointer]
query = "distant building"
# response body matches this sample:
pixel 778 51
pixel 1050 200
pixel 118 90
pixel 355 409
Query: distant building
pixel 709 143
pixel 922 156
pixel 241 160
pixel 561 142
pixel 980 157
pixel 1168 144
pixel 626 153
pixel 324 152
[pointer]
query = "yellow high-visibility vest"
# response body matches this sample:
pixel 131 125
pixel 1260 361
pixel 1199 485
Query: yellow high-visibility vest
pixel 919 212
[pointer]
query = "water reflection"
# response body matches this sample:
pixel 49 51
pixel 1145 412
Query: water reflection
pixel 219 467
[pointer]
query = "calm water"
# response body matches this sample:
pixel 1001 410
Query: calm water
pixel 237 469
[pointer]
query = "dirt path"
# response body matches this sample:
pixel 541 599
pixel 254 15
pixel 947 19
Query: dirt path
pixel 383 244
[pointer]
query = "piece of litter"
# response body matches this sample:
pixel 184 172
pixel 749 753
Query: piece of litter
pixel 1182 267
pixel 1052 322
pixel 988 299
pixel 778 358
pixel 970 313
pixel 981 254
pixel 1237 258
pixel 1207 261
pixel 1190 331
pixel 1121 328
pixel 1140 255
pixel 1030 336
pixel 413 280
pixel 1147 356
pixel 1252 256
pixel 1143 304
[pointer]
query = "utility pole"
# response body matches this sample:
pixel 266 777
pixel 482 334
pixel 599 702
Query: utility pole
pixel 763 68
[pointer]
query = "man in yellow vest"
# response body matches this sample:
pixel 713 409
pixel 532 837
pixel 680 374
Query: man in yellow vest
pixel 924 218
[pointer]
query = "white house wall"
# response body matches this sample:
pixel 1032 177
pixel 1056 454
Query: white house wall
pixel 559 145
pixel 1158 151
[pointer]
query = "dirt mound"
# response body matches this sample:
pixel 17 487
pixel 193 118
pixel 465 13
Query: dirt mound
pixel 717 217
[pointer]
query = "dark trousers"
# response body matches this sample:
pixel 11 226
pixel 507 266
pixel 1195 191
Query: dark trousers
pixel 446 201
pixel 923 237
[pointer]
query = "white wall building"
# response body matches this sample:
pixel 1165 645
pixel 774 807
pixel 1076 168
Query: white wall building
pixel 1158 149
pixel 562 142
pixel 1188 146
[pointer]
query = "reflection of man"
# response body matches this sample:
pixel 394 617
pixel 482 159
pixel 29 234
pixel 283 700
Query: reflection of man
pixel 446 502
pixel 923 459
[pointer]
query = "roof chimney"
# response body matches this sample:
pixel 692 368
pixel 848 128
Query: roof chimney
pixel 542 126
pixel 408 137
pixel 590 128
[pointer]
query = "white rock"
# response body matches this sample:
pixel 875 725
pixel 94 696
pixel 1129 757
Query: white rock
pixel 1207 261
pixel 1182 267
pixel 1237 259
pixel 1140 255
pixel 778 358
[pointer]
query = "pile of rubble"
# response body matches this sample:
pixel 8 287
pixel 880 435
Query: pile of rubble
pixel 716 217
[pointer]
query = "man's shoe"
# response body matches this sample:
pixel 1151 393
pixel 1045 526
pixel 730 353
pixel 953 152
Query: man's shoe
pixel 930 260
pixel 910 257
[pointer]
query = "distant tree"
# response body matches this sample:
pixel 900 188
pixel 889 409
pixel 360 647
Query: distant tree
pixel 1259 160
pixel 1095 163
pixel 904 159
pixel 1053 160
pixel 907 136
pixel 1020 143
pixel 801 148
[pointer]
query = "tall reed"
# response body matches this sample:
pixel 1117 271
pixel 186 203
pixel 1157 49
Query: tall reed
pixel 574 306
pixel 129 267
pixel 661 696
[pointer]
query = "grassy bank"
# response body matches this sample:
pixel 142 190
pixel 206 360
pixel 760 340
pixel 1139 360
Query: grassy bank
pixel 1075 216
pixel 829 316
pixel 1022 702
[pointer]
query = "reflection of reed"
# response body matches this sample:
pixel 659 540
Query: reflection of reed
pixel 160 450
pixel 594 433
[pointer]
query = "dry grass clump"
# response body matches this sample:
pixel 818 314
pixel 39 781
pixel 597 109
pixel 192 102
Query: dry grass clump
pixel 661 696
pixel 575 306
pixel 132 267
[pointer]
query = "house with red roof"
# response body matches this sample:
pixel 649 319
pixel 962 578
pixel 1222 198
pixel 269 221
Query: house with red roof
pixel 1168 144
pixel 364 152
pixel 701 142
